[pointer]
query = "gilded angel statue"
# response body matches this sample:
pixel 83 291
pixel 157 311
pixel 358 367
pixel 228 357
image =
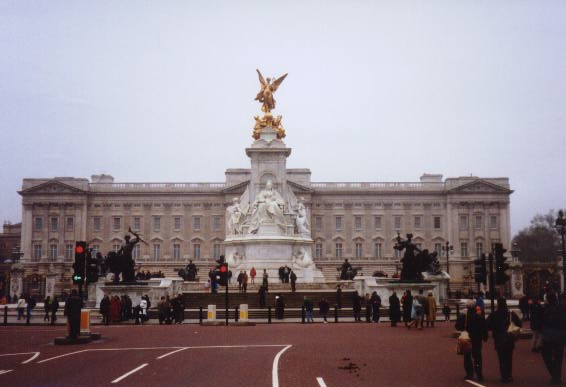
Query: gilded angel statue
pixel 265 95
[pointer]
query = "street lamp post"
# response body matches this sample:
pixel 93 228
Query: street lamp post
pixel 561 228
pixel 447 248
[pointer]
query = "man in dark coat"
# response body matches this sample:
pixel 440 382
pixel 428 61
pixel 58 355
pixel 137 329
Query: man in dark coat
pixel 553 329
pixel 357 306
pixel 324 308
pixel 394 309
pixel 261 294
pixel 54 308
pixel 279 307
pixel 73 312
pixel 407 307
pixel 293 277
pixel 375 306
pixel 105 309
pixel 473 321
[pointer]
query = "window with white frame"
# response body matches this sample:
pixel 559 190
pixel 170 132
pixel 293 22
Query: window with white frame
pixel 137 223
pixel 70 223
pixel 116 223
pixel 318 223
pixel 359 251
pixel 377 222
pixel 338 250
pixel 176 251
pixel 493 221
pixel 397 223
pixel 478 224
pixel 358 225
pixel 55 224
pixel 96 223
pixel 196 250
pixel 479 249
pixel 38 224
pixel 464 249
pixel 339 223
pixel 176 223
pixel 37 251
pixel 53 251
pixel 136 252
pixel 318 250
pixel 156 251
pixel 437 223
pixel 216 223
pixel 418 224
pixel 378 249
pixel 217 250
pixel 196 222
pixel 156 223
pixel 70 249
pixel 463 222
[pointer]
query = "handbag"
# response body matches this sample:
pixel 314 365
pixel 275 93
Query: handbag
pixel 464 342
pixel 513 330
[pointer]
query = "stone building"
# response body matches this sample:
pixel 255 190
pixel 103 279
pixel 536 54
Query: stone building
pixel 182 221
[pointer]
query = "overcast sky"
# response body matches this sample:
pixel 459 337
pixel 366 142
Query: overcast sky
pixel 377 91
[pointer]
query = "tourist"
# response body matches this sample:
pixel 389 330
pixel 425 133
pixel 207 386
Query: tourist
pixel 105 309
pixel 261 293
pixel 446 311
pixel 46 307
pixel 240 281
pixel 338 297
pixel 252 275
pixel 356 306
pixel 407 303
pixel 498 322
pixel 73 307
pixel 281 273
pixel 115 309
pixel 416 314
pixel 21 306
pixel 144 307
pixel 324 307
pixel 54 308
pixel 279 307
pixel 553 335
pixel 309 307
pixel 431 315
pixel 423 300
pixel 473 321
pixel 536 325
pixel 30 305
pixel 162 310
pixel 480 302
pixel 245 282
pixel 178 309
pixel 394 309
pixel 265 280
pixel 375 305
pixel 293 278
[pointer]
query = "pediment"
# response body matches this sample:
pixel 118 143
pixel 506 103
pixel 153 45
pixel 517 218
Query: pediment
pixel 480 186
pixel 299 187
pixel 237 188
pixel 52 187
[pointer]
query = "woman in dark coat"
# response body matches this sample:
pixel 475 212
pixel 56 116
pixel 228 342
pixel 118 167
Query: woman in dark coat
pixel 407 307
pixel 375 305
pixel 115 309
pixel 473 321
pixel 105 310
pixel 394 309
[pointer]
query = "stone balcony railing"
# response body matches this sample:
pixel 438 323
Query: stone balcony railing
pixel 377 186
pixel 156 187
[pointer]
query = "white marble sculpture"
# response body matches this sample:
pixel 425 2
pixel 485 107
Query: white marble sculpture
pixel 267 209
pixel 302 259
pixel 234 218
pixel 301 220
pixel 235 260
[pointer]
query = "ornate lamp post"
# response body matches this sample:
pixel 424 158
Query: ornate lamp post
pixel 561 228
pixel 448 248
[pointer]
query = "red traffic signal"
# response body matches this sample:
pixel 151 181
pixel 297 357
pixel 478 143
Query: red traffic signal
pixel 223 268
pixel 79 249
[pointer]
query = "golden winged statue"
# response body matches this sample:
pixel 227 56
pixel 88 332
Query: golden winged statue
pixel 265 95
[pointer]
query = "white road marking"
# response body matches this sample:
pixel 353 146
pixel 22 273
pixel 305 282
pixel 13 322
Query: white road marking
pixel 172 352
pixel 274 370
pixel 35 354
pixel 321 382
pixel 129 373
pixel 31 358
pixel 474 383
pixel 2 372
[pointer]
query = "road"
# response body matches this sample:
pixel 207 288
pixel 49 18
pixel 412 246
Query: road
pixel 345 354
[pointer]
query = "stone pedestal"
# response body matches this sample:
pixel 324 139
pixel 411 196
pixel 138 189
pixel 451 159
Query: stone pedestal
pixel 154 288
pixel 16 280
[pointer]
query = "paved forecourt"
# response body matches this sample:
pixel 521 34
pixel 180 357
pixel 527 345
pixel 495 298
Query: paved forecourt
pixel 268 355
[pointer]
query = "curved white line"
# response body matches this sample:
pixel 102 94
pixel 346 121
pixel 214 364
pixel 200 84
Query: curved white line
pixel 31 358
pixel 274 371
pixel 172 352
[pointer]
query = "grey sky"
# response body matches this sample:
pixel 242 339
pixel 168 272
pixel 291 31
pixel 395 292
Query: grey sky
pixel 377 91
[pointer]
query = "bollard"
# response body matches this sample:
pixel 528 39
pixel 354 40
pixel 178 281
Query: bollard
pixel 236 313
pixel 6 315
pixel 269 314
pixel 335 313
pixel 303 314
pixel 200 314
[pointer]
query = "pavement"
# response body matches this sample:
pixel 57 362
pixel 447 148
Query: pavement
pixel 345 354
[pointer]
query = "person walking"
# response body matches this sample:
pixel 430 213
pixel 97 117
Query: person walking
pixel 416 314
pixel 253 273
pixel 473 321
pixel 431 315
pixel 375 305
pixel 47 308
pixel 293 278
pixel 423 300
pixel 498 322
pixel 553 329
pixel 54 307
pixel 309 307
pixel 394 309
pixel 324 307
pixel 407 307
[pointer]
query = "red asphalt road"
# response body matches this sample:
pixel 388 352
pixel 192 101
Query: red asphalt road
pixel 244 356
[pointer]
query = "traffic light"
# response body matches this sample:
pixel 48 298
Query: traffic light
pixel 480 270
pixel 501 277
pixel 79 265
pixel 222 274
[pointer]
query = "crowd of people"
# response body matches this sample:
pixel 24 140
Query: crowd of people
pixel 145 275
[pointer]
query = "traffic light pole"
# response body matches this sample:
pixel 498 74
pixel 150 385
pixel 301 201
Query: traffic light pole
pixel 491 283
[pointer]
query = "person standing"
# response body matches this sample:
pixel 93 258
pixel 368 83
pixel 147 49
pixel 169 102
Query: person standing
pixel 261 294
pixel 265 280
pixel 498 323
pixel 54 308
pixel 407 307
pixel 356 306
pixel 293 278
pixel 416 314
pixel 553 336
pixel 279 307
pixel 339 297
pixel 431 315
pixel 73 307
pixel 367 301
pixel 375 305
pixel 394 309
pixel 21 305
pixel 324 307
pixel 252 275
pixel 105 309
pixel 245 282
pixel 446 311
pixel 144 305
pixel 46 307
pixel 473 321
pixel 240 281
pixel 309 307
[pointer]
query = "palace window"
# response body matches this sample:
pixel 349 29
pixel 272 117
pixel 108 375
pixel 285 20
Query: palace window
pixel 464 249
pixel 116 223
pixel 217 250
pixel 358 222
pixel 116 247
pixel 70 224
pixel 96 223
pixel 318 250
pixel 438 249
pixel 493 221
pixel 378 250
pixel 463 222
pixel 196 250
pixel 418 222
pixel 53 252
pixel 70 249
pixel 176 251
pixel 479 249
pixel 177 223
pixel 196 222
pixel 338 250
pixel 156 251
pixel 136 252
pixel 437 223
pixel 478 222
pixel 95 249
pixel 318 223
pixel 377 222
pixel 156 223
pixel 216 223
pixel 397 223
pixel 37 252
pixel 339 223
pixel 55 224
pixel 137 223
pixel 358 250
pixel 38 224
